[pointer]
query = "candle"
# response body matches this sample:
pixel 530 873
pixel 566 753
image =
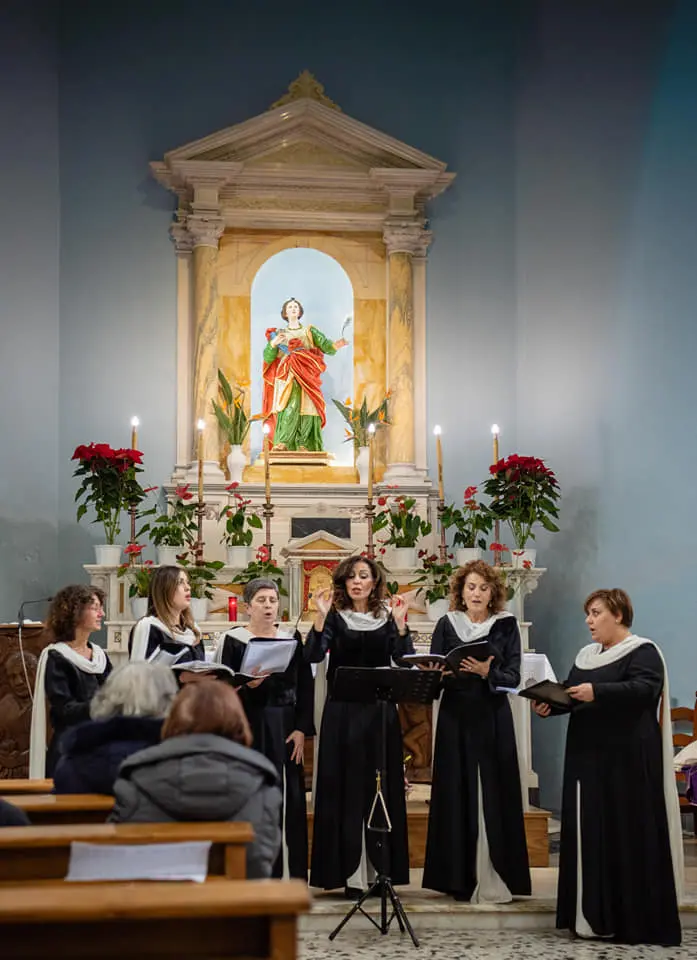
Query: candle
pixel 267 465
pixel 495 434
pixel 232 609
pixel 200 426
pixel 371 439
pixel 135 423
pixel 439 456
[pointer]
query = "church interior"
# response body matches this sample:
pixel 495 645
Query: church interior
pixel 290 292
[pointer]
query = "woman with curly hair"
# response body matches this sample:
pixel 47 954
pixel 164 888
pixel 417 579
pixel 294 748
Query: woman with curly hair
pixel 70 671
pixel 168 633
pixel 356 627
pixel 476 846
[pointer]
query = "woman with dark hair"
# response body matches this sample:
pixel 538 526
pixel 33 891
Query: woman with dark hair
pixel 476 849
pixel 70 671
pixel 621 855
pixel 204 770
pixel 168 633
pixel 279 708
pixel 356 627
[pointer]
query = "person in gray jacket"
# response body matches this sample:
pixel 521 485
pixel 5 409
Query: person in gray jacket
pixel 204 770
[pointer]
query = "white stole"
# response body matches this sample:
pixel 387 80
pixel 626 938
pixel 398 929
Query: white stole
pixel 37 740
pixel 363 621
pixel 141 633
pixel 468 631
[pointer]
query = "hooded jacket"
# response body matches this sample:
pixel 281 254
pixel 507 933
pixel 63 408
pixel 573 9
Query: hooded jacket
pixel 204 777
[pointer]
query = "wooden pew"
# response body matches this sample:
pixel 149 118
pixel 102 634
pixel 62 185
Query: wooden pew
pixel 232 918
pixel 51 809
pixel 8 787
pixel 43 853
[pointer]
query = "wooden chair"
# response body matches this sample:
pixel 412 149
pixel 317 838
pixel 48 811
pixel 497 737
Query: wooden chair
pixel 9 787
pixel 51 809
pixel 231 918
pixel 687 717
pixel 31 854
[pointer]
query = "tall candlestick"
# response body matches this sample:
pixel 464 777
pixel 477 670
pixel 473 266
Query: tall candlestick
pixel 200 426
pixel 495 434
pixel 371 440
pixel 135 423
pixel 267 465
pixel 439 457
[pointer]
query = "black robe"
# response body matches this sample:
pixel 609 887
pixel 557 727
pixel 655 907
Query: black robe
pixel 349 755
pixel 158 638
pixel 282 703
pixel 613 751
pixel 474 735
pixel 69 691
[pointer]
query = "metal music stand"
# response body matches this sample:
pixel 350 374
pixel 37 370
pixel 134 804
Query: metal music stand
pixel 383 685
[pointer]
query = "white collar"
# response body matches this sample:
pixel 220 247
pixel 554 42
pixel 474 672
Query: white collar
pixel 594 655
pixel 244 635
pixel 141 633
pixel 363 621
pixel 467 630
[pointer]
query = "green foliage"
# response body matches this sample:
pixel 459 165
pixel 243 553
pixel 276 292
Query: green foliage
pixel 139 577
pixel 404 526
pixel 177 526
pixel 360 419
pixel 109 484
pixel 474 519
pixel 523 492
pixel 435 577
pixel 262 566
pixel 230 413
pixel 201 575
pixel 238 523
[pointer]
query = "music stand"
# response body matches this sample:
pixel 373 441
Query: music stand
pixel 383 685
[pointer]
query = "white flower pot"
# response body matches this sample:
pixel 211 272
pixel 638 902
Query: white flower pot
pixel 139 607
pixel 238 556
pixel 108 554
pixel 167 555
pixel 520 557
pixel 199 608
pixel 465 555
pixel 435 609
pixel 362 462
pixel 236 462
pixel 403 558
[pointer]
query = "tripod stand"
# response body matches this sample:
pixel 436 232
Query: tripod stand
pixel 384 686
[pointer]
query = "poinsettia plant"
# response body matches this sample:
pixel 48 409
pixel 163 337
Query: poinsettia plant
pixel 360 418
pixel 262 566
pixel 238 522
pixel 473 520
pixel 523 492
pixel 109 484
pixel 139 574
pixel 177 526
pixel 435 576
pixel 401 521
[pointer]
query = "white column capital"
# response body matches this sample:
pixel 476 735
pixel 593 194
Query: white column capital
pixel 182 239
pixel 205 228
pixel 406 236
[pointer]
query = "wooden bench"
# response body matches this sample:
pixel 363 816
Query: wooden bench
pixel 8 787
pixel 232 918
pixel 43 853
pixel 51 809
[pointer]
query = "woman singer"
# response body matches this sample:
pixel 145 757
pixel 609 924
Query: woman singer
pixel 168 633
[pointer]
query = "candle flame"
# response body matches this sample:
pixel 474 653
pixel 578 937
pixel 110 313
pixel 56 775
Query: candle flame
pixel 371 428
pixel 437 431
pixel 495 429
pixel 267 429
pixel 201 425
pixel 135 422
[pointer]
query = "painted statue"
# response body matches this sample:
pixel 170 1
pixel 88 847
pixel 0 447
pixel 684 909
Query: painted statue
pixel 293 404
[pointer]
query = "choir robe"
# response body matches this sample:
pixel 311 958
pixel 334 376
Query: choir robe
pixel 475 744
pixel 614 762
pixel 69 691
pixel 278 706
pixel 159 637
pixel 349 755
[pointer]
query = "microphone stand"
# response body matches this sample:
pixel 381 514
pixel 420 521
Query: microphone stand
pixel 20 623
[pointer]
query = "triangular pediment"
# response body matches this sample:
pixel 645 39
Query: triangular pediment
pixel 318 542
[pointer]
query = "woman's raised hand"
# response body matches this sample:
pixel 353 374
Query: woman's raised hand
pixel 399 612
pixel 323 601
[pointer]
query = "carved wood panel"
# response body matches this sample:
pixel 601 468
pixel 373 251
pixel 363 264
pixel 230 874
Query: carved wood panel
pixel 15 698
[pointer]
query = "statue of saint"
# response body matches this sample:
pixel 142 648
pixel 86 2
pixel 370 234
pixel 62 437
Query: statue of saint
pixel 292 400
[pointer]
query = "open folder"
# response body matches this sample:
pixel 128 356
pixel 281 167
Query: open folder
pixel 548 691
pixel 478 649
pixel 267 656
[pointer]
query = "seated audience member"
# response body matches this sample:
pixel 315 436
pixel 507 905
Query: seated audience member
pixel 127 714
pixel 168 634
pixel 11 816
pixel 70 671
pixel 204 770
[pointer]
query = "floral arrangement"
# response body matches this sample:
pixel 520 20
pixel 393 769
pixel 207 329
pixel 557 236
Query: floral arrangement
pixel 177 526
pixel 401 521
pixel 138 574
pixel 262 566
pixel 360 418
pixel 523 492
pixel 435 576
pixel 201 575
pixel 230 413
pixel 109 484
pixel 470 522
pixel 235 516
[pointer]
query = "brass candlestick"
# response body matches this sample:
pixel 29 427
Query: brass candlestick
pixel 132 511
pixel 198 546
pixel 370 516
pixel 443 548
pixel 268 514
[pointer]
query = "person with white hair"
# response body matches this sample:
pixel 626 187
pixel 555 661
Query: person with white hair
pixel 126 716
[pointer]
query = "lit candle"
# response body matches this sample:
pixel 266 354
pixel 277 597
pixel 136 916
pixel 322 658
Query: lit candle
pixel 439 456
pixel 371 439
pixel 495 434
pixel 200 426
pixel 267 465
pixel 135 423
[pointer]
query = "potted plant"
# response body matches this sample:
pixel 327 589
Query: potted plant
pixel 109 485
pixel 139 576
pixel 174 531
pixel 262 566
pixel 435 577
pixel 470 524
pixel 359 420
pixel 238 535
pixel 404 528
pixel 201 577
pixel 523 492
pixel 233 422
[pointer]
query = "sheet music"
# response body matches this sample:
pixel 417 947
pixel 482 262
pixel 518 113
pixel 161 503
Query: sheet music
pixel 162 656
pixel 270 656
pixel 147 861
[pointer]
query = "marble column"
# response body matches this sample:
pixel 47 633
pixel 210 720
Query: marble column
pixel 403 239
pixel 206 230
